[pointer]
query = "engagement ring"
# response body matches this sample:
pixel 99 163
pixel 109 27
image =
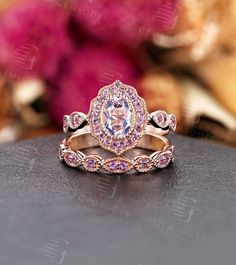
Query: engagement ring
pixel 118 121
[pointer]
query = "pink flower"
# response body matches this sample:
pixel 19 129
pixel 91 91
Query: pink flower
pixel 89 69
pixel 33 38
pixel 126 21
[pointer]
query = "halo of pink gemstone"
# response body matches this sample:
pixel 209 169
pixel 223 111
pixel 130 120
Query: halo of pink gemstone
pixel 118 117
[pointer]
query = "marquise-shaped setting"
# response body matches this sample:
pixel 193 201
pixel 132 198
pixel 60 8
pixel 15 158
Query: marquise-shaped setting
pixel 164 120
pixel 73 121
pixel 162 159
pixel 118 117
pixel 92 163
pixel 160 117
pixel 77 119
pixel 117 165
pixel 73 159
pixel 142 163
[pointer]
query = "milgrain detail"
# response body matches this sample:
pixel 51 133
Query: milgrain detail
pixel 117 164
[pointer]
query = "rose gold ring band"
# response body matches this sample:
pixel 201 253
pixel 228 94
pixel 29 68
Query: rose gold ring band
pixel 73 148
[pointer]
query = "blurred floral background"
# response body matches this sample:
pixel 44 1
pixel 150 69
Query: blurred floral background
pixel 56 54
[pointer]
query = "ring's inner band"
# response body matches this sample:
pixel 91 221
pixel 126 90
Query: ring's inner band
pixel 83 140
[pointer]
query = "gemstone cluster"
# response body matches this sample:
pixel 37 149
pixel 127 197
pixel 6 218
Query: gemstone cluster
pixel 118 117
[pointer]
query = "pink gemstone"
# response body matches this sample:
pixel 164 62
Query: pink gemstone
pixel 163 160
pixel 117 165
pixel 161 119
pixel 97 129
pixel 134 137
pixel 76 120
pixel 72 159
pixel 92 163
pixel 107 141
pixel 144 163
pixel 129 142
pixel 169 148
pixel 139 128
pixel 112 165
pixel 114 144
pixel 95 120
pixel 102 136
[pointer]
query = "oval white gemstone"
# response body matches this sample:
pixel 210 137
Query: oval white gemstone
pixel 118 117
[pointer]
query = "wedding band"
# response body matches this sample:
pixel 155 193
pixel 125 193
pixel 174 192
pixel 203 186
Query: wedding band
pixel 71 152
